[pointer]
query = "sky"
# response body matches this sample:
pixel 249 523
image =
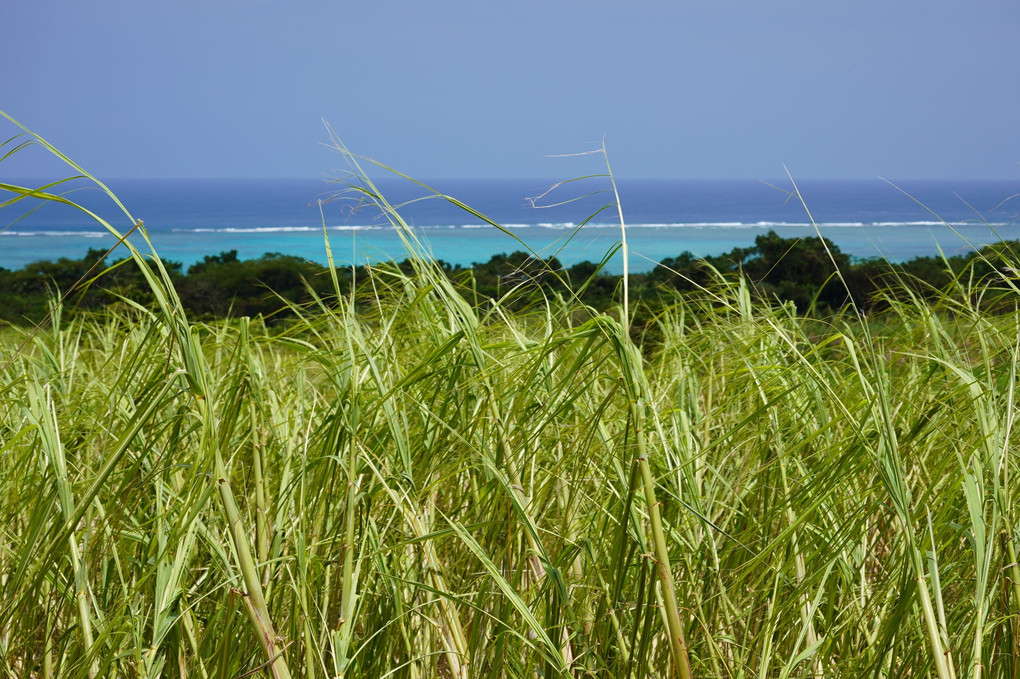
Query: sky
pixel 726 89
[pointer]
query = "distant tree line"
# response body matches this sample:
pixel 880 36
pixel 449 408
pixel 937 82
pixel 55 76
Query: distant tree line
pixel 801 271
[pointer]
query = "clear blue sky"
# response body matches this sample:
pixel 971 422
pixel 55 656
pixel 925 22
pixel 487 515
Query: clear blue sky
pixel 224 88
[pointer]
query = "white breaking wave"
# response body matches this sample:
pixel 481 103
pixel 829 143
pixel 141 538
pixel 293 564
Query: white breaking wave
pixel 700 226
pixel 908 224
pixel 58 234
pixel 254 229
pixel 277 229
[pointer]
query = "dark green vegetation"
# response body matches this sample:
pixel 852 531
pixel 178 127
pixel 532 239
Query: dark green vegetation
pixel 779 269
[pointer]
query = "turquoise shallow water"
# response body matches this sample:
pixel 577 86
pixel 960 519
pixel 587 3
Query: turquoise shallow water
pixel 188 219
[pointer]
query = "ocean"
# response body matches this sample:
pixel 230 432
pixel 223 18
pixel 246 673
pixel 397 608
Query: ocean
pixel 188 219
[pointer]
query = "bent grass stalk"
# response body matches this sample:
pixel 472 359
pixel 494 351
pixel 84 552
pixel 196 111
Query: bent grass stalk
pixel 197 375
pixel 635 387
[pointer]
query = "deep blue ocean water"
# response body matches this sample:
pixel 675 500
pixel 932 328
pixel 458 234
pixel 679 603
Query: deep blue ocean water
pixel 188 219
